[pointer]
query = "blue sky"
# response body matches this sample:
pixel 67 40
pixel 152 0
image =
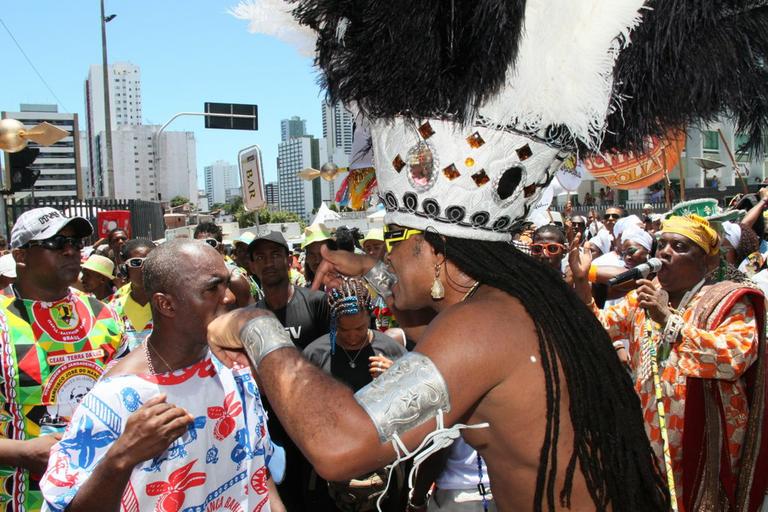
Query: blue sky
pixel 189 52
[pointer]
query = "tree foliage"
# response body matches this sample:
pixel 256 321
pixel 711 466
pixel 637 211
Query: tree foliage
pixel 178 201
pixel 265 216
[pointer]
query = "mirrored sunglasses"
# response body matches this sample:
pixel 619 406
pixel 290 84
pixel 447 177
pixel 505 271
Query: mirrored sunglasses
pixel 393 236
pixel 58 242
pixel 134 262
pixel 548 250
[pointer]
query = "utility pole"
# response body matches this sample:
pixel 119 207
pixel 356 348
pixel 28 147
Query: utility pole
pixel 107 114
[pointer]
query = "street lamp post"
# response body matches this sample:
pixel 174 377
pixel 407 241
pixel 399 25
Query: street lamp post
pixel 107 114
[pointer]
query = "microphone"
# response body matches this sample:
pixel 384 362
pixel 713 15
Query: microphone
pixel 640 271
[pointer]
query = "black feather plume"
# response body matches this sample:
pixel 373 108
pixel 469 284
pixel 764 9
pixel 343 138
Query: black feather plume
pixel 424 58
pixel 693 61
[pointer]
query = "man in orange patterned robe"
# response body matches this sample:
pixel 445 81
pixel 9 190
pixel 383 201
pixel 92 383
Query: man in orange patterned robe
pixel 709 341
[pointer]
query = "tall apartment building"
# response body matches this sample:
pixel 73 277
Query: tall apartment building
pixel 292 128
pixel 220 179
pixel 272 195
pixel 295 194
pixel 338 128
pixel 153 168
pixel 59 163
pixel 125 110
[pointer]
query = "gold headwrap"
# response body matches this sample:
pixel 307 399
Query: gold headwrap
pixel 697 229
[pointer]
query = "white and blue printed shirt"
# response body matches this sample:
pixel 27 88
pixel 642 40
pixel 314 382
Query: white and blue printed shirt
pixel 218 464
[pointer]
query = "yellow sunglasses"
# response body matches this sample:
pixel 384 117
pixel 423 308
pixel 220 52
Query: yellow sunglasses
pixel 393 235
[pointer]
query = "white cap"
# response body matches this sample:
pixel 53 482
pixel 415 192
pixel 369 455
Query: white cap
pixel 7 266
pixel 42 223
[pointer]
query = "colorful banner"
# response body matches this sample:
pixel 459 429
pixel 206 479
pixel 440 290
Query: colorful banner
pixel 629 171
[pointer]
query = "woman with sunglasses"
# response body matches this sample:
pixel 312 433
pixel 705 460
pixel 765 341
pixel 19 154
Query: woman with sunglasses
pixel 131 302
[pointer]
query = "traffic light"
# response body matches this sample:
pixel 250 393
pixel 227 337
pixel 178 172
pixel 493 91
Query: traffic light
pixel 22 177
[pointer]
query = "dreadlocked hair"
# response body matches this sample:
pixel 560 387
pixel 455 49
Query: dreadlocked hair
pixel 610 443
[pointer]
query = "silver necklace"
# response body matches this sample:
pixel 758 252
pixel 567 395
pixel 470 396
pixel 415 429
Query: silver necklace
pixel 352 360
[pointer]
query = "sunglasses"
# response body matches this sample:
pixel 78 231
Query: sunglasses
pixel 134 262
pixel 548 250
pixel 395 235
pixel 212 242
pixel 614 216
pixel 58 242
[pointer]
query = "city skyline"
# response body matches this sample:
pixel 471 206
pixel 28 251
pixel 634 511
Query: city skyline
pixel 210 56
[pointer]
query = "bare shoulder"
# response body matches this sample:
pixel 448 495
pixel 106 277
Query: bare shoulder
pixel 491 331
pixel 491 315
pixel 132 364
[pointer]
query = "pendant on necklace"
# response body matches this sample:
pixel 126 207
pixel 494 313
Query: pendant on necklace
pixel 352 364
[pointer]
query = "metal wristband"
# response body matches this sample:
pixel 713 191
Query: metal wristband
pixel 381 279
pixel 263 335
pixel 411 392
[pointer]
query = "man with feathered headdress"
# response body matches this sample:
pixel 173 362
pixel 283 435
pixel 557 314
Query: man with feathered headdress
pixel 473 105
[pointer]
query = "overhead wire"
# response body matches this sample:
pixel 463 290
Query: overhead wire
pixel 32 65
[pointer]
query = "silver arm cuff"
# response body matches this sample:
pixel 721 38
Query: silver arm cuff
pixel 263 335
pixel 381 279
pixel 411 392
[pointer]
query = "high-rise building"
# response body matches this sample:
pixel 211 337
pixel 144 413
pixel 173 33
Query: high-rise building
pixel 153 168
pixel 221 177
pixel 338 127
pixel 59 163
pixel 272 195
pixel 292 128
pixel 125 110
pixel 295 194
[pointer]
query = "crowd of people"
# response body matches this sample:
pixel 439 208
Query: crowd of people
pixel 112 398
pixel 611 362
pixel 132 316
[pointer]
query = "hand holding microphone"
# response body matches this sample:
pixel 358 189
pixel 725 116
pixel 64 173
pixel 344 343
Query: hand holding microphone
pixel 639 272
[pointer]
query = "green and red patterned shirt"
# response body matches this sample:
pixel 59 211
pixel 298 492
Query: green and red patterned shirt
pixel 51 355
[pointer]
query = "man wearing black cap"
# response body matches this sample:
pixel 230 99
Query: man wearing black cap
pixel 305 315
pixel 54 342
pixel 303 312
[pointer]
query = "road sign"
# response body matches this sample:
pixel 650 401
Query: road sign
pixel 251 178
pixel 232 116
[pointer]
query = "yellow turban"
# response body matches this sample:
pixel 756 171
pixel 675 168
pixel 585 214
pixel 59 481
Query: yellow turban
pixel 695 228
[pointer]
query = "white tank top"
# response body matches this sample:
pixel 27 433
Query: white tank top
pixel 461 468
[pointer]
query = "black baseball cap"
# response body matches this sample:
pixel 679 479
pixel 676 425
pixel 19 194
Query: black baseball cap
pixel 274 237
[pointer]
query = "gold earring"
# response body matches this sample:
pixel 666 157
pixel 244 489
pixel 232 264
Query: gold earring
pixel 438 292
